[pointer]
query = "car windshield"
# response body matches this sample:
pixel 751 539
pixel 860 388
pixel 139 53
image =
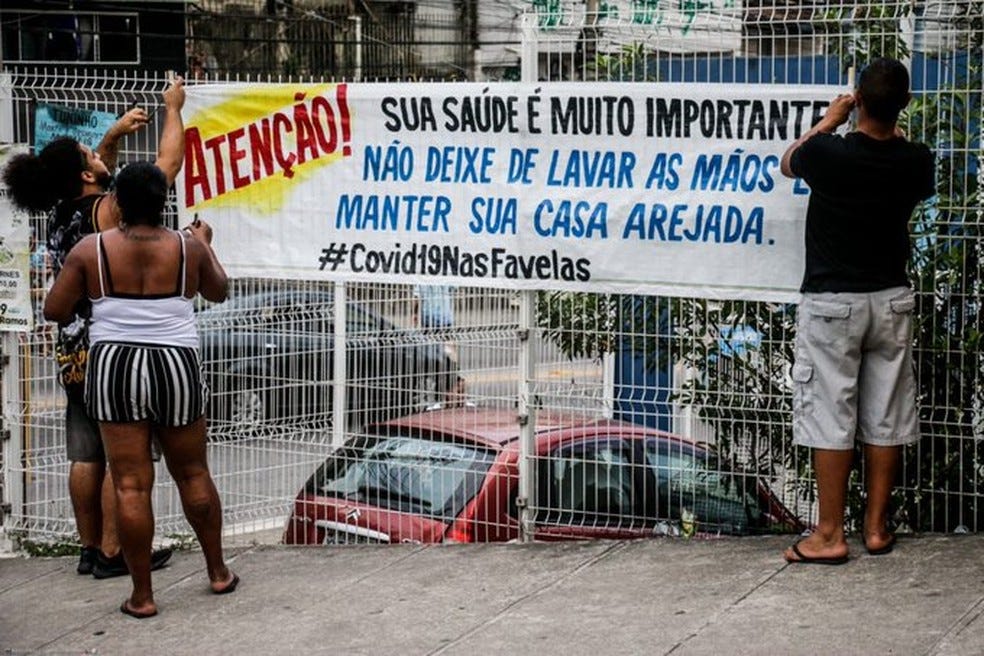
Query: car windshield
pixel 693 482
pixel 408 474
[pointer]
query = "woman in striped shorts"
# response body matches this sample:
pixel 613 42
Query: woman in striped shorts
pixel 144 372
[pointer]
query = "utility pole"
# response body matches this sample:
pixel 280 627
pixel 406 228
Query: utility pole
pixel 475 49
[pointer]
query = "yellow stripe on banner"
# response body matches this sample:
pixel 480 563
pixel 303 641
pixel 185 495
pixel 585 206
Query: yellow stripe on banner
pixel 268 195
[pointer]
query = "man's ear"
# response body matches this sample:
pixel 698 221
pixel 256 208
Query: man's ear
pixel 88 177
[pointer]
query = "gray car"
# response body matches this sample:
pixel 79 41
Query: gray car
pixel 268 360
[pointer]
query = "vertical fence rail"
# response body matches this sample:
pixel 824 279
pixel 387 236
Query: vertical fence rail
pixel 12 507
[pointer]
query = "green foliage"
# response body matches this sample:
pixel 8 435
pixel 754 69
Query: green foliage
pixel 182 541
pixel 591 325
pixel 582 324
pixel 628 64
pixel 859 32
pixel 949 276
pixel 59 548
pixel 55 549
pixel 743 389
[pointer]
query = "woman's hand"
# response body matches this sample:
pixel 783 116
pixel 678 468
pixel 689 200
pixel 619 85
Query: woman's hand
pixel 200 230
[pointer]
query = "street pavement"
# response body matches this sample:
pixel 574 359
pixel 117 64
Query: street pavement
pixel 660 596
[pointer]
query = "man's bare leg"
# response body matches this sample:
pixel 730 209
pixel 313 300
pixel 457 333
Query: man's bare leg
pixel 832 469
pixel 85 481
pixel 110 543
pixel 880 466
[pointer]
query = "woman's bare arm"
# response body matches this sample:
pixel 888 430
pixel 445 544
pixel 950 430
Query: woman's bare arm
pixel 213 284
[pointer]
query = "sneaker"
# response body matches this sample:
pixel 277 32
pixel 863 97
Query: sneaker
pixel 87 560
pixel 159 558
pixel 106 568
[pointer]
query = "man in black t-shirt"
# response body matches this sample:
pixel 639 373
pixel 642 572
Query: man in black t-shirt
pixel 853 378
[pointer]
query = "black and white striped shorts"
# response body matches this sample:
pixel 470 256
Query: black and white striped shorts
pixel 143 382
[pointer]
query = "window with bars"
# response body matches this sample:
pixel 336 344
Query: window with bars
pixel 41 37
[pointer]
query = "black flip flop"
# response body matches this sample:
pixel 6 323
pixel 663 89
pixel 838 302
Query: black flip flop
pixel 882 550
pixel 808 560
pixel 126 610
pixel 231 587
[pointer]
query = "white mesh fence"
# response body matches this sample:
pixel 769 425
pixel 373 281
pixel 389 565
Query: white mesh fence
pixel 639 415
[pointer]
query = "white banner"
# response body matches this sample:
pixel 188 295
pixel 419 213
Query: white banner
pixel 636 188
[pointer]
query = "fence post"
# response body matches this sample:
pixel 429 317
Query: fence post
pixel 357 39
pixel 11 438
pixel 11 405
pixel 527 352
pixel 527 413
pixel 339 383
pixel 6 108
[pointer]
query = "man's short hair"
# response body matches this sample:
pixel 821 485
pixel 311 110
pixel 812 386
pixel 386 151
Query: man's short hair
pixel 141 192
pixel 884 89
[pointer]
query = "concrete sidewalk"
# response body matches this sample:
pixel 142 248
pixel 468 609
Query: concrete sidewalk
pixel 731 596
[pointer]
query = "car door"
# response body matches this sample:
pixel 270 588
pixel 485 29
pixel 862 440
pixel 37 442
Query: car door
pixel 298 342
pixel 246 353
pixel 379 373
pixel 695 494
pixel 592 488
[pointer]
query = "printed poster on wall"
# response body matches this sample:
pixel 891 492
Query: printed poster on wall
pixel 16 314
pixel 87 126
pixel 608 187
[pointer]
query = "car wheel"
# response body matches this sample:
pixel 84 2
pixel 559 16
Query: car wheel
pixel 247 411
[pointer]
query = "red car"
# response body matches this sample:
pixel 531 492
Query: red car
pixel 452 476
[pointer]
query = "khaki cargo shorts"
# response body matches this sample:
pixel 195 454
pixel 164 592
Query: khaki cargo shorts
pixel 853 376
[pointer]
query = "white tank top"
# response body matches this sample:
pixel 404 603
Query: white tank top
pixel 162 319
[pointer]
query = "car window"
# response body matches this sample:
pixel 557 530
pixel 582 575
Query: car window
pixel 298 311
pixel 234 311
pixel 691 483
pixel 290 313
pixel 304 314
pixel 358 320
pixel 408 474
pixel 588 484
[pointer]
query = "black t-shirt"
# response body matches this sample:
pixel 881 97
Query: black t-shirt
pixel 70 221
pixel 862 195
